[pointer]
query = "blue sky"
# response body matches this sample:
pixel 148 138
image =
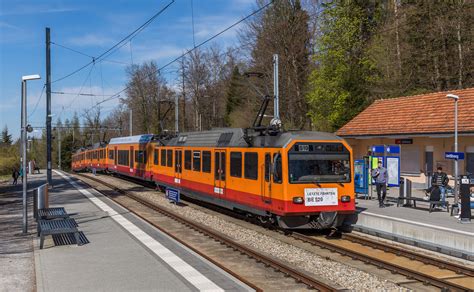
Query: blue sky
pixel 92 27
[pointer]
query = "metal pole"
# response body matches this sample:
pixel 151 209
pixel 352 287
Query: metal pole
pixel 131 122
pixel 176 113
pixel 276 111
pixel 23 156
pixel 48 107
pixel 59 149
pixel 456 173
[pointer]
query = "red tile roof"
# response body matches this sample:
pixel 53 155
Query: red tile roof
pixel 418 114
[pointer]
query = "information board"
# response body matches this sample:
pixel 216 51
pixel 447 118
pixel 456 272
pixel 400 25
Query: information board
pixel 361 176
pixel 393 171
pixel 172 195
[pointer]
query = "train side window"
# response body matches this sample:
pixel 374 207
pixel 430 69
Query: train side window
pixel 131 158
pixel 277 173
pixel 219 156
pixel 163 157
pixel 251 165
pixel 236 164
pixel 197 160
pixel 268 159
pixel 206 161
pixel 155 157
pixel 111 154
pixel 187 159
pixel 169 158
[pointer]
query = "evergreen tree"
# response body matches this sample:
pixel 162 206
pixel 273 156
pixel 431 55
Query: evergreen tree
pixel 6 137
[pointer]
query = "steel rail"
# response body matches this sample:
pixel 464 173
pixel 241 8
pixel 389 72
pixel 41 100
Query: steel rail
pixel 440 263
pixel 405 271
pixel 299 276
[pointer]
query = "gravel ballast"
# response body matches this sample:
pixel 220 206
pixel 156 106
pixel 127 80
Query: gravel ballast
pixel 343 275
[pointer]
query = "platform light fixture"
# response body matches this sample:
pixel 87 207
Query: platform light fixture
pixel 456 173
pixel 24 129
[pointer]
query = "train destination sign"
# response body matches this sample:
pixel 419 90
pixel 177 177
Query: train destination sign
pixel 320 197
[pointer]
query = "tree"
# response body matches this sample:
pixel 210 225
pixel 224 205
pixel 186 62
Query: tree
pixel 6 137
pixel 344 72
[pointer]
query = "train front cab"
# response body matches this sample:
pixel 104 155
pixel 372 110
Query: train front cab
pixel 318 186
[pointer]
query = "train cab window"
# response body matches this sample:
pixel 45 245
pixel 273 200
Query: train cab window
pixel 277 172
pixel 111 154
pixel 206 161
pixel 140 156
pixel 251 165
pixel 155 157
pixel 268 164
pixel 197 160
pixel 163 157
pixel 187 159
pixel 169 158
pixel 236 164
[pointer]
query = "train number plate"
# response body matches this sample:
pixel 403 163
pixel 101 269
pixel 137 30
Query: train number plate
pixel 320 197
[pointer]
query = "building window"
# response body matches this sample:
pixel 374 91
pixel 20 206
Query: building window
pixel 163 157
pixel 169 158
pixel 155 157
pixel 206 161
pixel 197 160
pixel 236 164
pixel 251 165
pixel 187 159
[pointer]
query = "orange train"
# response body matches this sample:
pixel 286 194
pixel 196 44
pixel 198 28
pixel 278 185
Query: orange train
pixel 294 179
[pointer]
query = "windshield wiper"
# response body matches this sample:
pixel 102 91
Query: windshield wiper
pixel 317 184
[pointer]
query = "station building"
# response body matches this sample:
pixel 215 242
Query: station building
pixel 423 125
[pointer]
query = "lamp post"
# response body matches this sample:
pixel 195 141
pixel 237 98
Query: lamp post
pixel 25 128
pixel 456 174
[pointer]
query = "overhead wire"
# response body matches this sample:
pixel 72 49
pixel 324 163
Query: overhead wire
pixel 117 45
pixel 37 102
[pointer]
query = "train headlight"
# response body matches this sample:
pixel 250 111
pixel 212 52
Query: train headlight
pixel 345 199
pixel 298 200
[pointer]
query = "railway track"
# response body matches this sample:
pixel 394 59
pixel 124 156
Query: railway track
pixel 448 276
pixel 302 280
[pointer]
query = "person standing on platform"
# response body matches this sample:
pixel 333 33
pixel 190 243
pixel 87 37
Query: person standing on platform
pixel 15 176
pixel 380 176
pixel 440 180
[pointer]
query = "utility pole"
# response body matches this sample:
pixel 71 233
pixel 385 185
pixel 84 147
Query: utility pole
pixel 131 122
pixel 59 149
pixel 48 107
pixel 276 111
pixel 23 156
pixel 176 113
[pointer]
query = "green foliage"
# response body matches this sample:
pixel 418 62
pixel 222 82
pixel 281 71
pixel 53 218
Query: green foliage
pixel 6 137
pixel 340 84
pixel 9 159
pixel 234 95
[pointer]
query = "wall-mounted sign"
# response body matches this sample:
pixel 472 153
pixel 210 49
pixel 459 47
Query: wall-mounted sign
pixel 403 141
pixel 454 155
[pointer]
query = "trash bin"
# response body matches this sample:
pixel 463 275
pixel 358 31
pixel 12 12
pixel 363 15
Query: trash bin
pixel 40 199
pixel 405 190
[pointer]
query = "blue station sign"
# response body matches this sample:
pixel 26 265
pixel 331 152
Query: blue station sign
pixel 172 195
pixel 454 155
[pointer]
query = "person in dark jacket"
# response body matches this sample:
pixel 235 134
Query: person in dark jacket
pixel 15 176
pixel 440 180
pixel 380 175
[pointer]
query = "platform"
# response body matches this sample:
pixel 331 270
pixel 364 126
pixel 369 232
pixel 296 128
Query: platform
pixel 124 253
pixel 437 231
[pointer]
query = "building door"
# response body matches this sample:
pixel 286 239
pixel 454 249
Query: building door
pixel 429 163
pixel 131 159
pixel 470 164
pixel 219 172
pixel 267 180
pixel 178 165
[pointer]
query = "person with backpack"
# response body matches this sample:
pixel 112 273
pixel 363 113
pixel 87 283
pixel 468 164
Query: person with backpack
pixel 440 180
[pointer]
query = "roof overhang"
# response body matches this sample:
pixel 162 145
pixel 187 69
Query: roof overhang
pixel 407 135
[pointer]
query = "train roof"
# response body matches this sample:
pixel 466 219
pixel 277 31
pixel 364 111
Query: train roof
pixel 138 139
pixel 234 137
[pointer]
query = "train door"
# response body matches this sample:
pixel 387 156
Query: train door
pixel 115 158
pixel 219 172
pixel 131 159
pixel 267 181
pixel 178 165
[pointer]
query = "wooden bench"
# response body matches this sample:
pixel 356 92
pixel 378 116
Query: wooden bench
pixel 58 226
pixel 432 204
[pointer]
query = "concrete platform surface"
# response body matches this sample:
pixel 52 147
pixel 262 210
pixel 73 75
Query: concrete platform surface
pixel 436 231
pixel 124 254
